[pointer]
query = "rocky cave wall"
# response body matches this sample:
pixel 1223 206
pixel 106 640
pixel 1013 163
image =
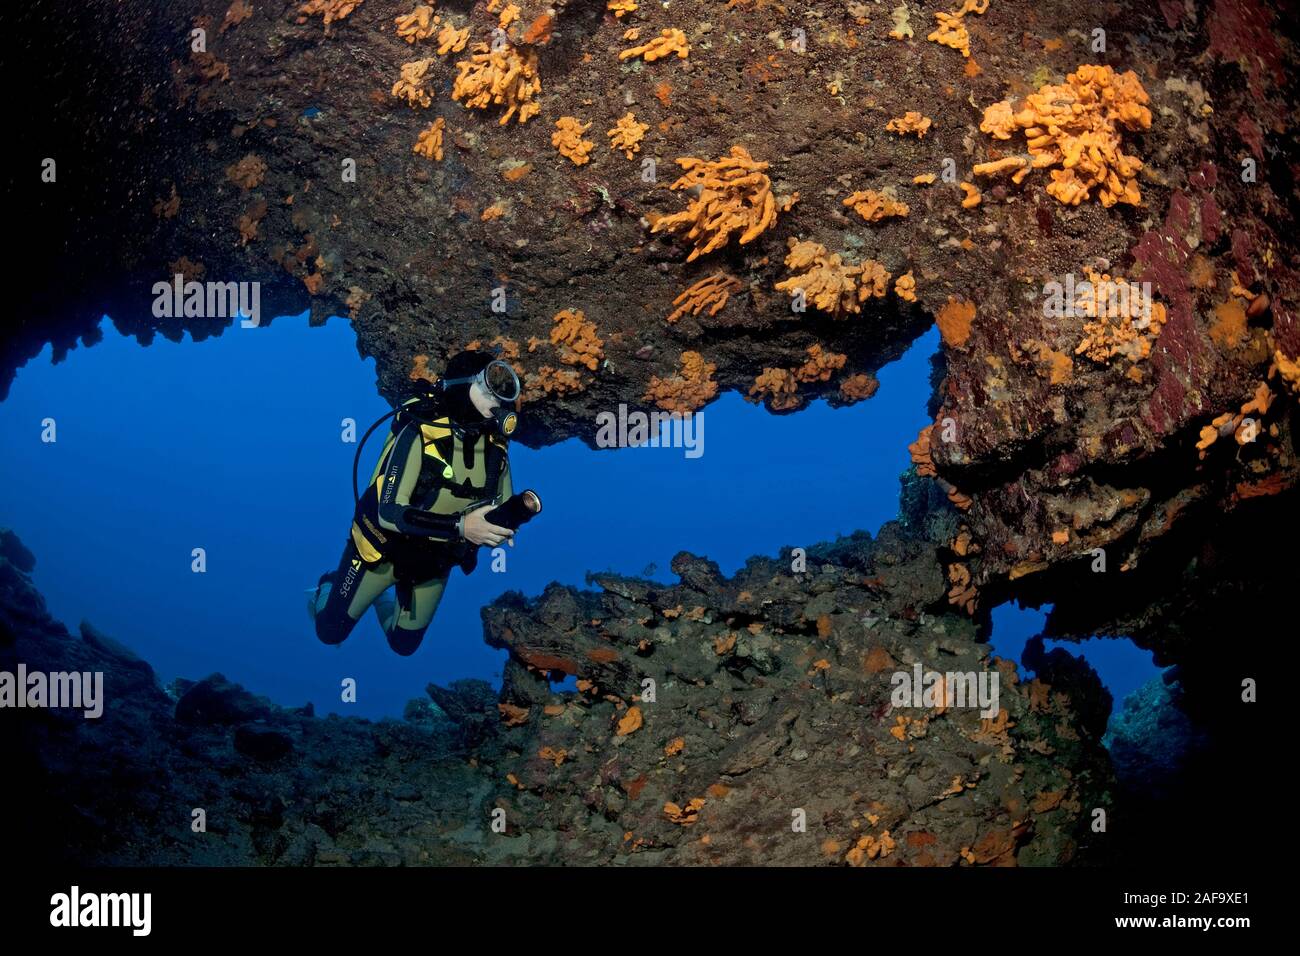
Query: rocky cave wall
pixel 1176 463
pixel 768 697
pixel 227 164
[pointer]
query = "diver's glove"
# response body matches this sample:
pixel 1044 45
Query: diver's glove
pixel 516 511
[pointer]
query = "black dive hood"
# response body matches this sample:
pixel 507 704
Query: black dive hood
pixel 496 377
pixel 463 369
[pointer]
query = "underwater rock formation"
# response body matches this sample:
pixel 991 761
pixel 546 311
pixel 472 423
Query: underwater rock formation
pixel 1170 754
pixel 772 705
pixel 1151 739
pixel 769 696
pixel 274 151
pixel 1095 461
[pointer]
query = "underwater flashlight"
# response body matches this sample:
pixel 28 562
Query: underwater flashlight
pixel 516 511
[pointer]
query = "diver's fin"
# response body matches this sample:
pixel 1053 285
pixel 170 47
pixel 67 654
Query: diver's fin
pixel 319 595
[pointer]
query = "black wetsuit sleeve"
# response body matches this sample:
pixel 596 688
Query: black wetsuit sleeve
pixel 395 509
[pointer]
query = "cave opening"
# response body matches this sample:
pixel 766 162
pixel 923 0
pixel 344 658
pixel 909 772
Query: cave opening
pixel 254 422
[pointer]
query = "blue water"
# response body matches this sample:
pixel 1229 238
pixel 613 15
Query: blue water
pixel 1122 666
pixel 233 445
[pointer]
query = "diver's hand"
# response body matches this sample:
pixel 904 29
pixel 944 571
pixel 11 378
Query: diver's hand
pixel 478 530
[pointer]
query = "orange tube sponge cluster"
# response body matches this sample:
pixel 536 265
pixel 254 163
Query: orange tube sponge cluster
pixel 1289 369
pixel 828 283
pixel 331 10
pixel 555 756
pixel 873 280
pixel 451 40
pixel 954 321
pixel 924 462
pixel 416 25
pixel 962 592
pixel 250 219
pixel 236 13
pixel 411 84
pixel 688 390
pixel 503 77
pixel 627 134
pixel 910 122
pixel 1234 424
pixel 920 453
pixel 820 365
pixel 508 349
pixel 1076 126
pixel 248 173
pixel 868 848
pixel 666 44
pixel 512 715
pixel 577 339
pixel 965 543
pixel 873 206
pixel 550 380
pixel 684 815
pixel 951 31
pixel 711 292
pixel 1122 320
pixel 630 722
pixel 905 287
pixel 858 387
pixel 210 68
pixel 567 138
pixel 420 371
pixel 429 143
pixel 735 196
pixel 779 387
pixel 1002 165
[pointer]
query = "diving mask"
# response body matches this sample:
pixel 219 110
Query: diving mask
pixel 498 380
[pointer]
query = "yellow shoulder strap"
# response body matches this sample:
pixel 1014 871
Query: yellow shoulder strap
pixel 431 433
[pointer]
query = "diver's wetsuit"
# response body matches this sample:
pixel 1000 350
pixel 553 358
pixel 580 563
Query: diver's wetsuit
pixel 405 528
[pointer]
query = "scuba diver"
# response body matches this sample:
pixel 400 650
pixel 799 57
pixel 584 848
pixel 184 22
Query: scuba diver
pixel 440 490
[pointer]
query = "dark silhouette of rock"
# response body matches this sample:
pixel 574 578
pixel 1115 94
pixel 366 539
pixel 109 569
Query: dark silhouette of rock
pixel 1151 740
pixel 262 743
pixel 15 552
pixel 464 699
pixel 216 700
pixel 115 649
pixel 1074 675
pixel 470 705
